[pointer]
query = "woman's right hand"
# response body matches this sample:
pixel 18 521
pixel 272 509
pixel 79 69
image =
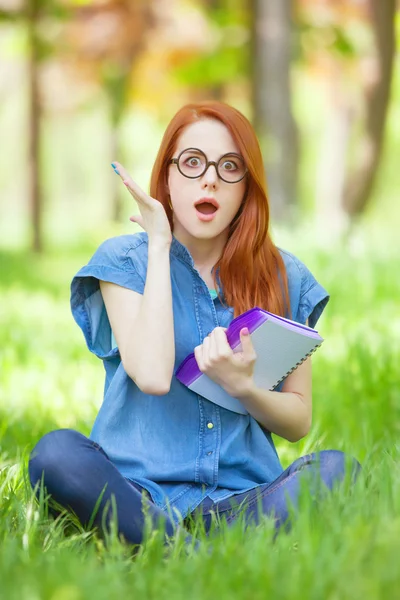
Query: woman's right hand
pixel 153 218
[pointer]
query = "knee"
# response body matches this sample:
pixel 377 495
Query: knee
pixel 339 463
pixel 52 455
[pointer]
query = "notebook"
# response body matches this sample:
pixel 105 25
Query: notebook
pixel 281 346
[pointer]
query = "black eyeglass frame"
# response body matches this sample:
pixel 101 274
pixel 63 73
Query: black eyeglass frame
pixel 208 163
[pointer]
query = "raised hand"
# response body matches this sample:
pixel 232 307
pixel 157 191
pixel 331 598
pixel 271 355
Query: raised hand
pixel 153 217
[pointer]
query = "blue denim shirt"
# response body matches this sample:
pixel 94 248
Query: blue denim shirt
pixel 180 447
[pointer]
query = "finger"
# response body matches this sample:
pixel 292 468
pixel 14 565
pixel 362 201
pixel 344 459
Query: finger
pixel 131 185
pixel 221 342
pixel 247 345
pixel 206 350
pixel 212 346
pixel 198 354
pixel 137 219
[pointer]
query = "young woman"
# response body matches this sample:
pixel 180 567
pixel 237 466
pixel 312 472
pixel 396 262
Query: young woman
pixel 144 302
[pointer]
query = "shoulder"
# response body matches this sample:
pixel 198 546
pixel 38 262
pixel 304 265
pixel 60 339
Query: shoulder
pixel 123 245
pixel 124 252
pixel 121 260
pixel 297 272
pixel 308 297
pixel 294 266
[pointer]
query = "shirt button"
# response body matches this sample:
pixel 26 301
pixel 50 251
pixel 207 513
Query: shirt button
pixel 210 425
pixel 209 453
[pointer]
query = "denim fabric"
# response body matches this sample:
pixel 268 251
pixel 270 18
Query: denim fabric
pixel 318 472
pixel 77 472
pixel 79 476
pixel 164 443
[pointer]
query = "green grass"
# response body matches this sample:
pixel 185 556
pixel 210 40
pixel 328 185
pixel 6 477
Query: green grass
pixel 347 548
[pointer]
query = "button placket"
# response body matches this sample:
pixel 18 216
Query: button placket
pixel 207 320
pixel 210 443
pixel 203 286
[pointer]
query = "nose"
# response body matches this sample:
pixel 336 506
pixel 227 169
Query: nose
pixel 210 177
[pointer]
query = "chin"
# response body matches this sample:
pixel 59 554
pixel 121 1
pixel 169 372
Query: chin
pixel 205 233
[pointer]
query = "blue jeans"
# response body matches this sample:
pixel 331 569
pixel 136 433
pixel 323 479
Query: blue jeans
pixel 318 472
pixel 77 472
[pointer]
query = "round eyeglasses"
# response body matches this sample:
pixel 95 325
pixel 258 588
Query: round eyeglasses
pixel 193 163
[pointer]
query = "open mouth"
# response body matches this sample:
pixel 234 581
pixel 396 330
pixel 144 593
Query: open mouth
pixel 206 208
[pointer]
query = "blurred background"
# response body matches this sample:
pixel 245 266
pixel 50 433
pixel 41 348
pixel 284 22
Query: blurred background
pixel 83 83
pixel 86 82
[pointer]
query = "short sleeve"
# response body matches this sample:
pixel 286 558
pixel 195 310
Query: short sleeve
pixel 313 297
pixel 116 261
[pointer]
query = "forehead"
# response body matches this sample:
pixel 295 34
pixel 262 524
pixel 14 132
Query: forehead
pixel 210 135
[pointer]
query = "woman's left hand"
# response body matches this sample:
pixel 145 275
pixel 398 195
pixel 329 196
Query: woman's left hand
pixel 232 371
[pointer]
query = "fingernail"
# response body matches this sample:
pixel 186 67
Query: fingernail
pixel 245 331
pixel 115 168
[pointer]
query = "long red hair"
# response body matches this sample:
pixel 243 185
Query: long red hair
pixel 251 269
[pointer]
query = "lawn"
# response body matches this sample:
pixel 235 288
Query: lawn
pixel 346 548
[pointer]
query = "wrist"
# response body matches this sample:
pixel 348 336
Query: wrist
pixel 246 390
pixel 159 245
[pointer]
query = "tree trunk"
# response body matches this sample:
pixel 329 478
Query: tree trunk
pixel 117 89
pixel 35 196
pixel 332 163
pixel 216 90
pixel 359 187
pixel 273 119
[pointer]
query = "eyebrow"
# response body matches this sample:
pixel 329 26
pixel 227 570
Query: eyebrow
pixel 199 150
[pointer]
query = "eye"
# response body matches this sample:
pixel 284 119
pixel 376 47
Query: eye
pixel 193 161
pixel 229 165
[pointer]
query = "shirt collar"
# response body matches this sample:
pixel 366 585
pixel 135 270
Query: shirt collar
pixel 180 251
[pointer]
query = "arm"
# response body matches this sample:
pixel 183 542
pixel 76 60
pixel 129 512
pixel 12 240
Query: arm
pixel 287 413
pixel 143 325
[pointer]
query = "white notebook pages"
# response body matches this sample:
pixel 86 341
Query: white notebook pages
pixel 280 344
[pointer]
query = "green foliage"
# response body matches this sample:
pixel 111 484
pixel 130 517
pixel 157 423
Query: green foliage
pixel 346 548
pixel 229 54
pixel 333 38
pixel 210 69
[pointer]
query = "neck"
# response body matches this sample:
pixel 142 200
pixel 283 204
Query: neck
pixel 204 252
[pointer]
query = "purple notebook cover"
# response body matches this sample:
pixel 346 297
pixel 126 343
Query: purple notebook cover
pixel 188 371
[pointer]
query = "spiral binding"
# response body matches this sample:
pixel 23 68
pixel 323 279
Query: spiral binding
pixel 296 365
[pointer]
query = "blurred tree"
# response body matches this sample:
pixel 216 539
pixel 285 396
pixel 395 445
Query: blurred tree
pixel 219 66
pixel 220 59
pixel 377 92
pixel 273 118
pixel 104 42
pixel 100 41
pixel 35 122
pixel 32 13
pixel 350 47
pixel 214 7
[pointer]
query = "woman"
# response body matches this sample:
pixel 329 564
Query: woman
pixel 144 302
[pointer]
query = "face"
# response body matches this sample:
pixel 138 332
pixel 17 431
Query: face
pixel 215 140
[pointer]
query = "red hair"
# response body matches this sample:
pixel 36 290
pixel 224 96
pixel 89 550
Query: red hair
pixel 251 269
